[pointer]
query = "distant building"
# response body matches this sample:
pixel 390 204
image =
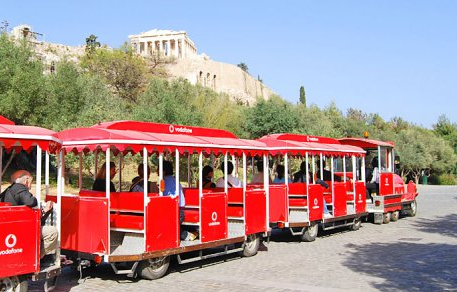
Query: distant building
pixel 169 43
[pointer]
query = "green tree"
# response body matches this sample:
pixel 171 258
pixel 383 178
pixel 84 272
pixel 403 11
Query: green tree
pixel 302 95
pixel 22 97
pixel 243 67
pixel 270 116
pixel 65 96
pixel 91 44
pixel 123 71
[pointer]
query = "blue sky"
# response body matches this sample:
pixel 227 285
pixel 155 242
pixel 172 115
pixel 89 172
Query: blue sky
pixel 394 58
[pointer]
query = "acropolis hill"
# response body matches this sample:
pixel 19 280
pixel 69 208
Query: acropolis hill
pixel 174 46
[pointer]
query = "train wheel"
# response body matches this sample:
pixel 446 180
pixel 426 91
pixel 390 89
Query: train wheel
pixel 152 269
pixel 356 225
pixel 16 284
pixel 310 233
pixel 395 216
pixel 413 209
pixel 386 218
pixel 251 245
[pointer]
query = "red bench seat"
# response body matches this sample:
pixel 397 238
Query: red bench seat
pixel 127 221
pixel 192 216
pixel 235 211
pixel 298 202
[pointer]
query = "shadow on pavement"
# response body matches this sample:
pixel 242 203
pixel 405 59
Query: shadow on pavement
pixel 445 225
pixel 405 265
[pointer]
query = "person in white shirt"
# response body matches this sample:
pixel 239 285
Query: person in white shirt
pixel 232 181
pixel 373 184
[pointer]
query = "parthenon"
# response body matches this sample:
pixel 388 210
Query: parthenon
pixel 169 43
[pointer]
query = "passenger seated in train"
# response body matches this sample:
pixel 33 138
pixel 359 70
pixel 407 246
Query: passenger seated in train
pixel 257 178
pixel 231 180
pixel 138 181
pixel 327 174
pixel 372 179
pixel 170 190
pixel 300 176
pixel 18 194
pixel 100 180
pixel 207 177
pixel 280 175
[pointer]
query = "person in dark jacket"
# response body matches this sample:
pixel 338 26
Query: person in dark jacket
pixel 18 194
pixel 100 180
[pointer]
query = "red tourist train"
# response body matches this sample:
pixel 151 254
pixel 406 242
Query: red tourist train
pixel 136 232
pixel 20 225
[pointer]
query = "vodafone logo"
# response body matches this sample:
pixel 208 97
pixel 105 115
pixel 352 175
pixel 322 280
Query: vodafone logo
pixel 387 181
pixel 10 241
pixel 315 202
pixel 214 218
pixel 183 130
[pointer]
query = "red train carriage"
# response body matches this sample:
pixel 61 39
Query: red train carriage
pixel 20 225
pixel 300 205
pixel 391 195
pixel 142 229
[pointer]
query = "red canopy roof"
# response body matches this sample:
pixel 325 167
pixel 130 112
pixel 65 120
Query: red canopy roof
pixel 133 136
pixel 296 144
pixel 26 137
pixel 365 143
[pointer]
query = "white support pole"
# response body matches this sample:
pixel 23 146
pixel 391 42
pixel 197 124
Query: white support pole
pixel 307 168
pixel 160 173
pixel 344 168
pixel 121 162
pixel 379 159
pixel 107 174
pixel 314 168
pixel 96 164
pixel 177 175
pixel 38 175
pixel 200 174
pixel 80 172
pixel 189 178
pixel 60 192
pixel 333 188
pixel 321 166
pixel 145 192
pixel 244 174
pixel 363 169
pixel 145 175
pixel 46 173
pixel 225 173
pixel 286 168
pixel 354 173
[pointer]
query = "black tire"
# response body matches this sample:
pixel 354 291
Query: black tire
pixel 386 217
pixel 16 284
pixel 412 209
pixel 251 246
pixel 356 225
pixel 395 216
pixel 152 269
pixel 310 233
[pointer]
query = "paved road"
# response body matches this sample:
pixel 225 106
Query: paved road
pixel 418 253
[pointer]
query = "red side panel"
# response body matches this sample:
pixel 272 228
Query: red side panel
pixel 235 195
pixel 386 184
pixel 278 203
pixel 214 217
pixel 19 240
pixel 127 201
pixel 360 199
pixel 192 215
pixel 297 189
pixel 85 224
pixel 340 198
pixel 191 196
pixel 256 211
pixel 316 209
pixel 162 223
pixel 411 192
